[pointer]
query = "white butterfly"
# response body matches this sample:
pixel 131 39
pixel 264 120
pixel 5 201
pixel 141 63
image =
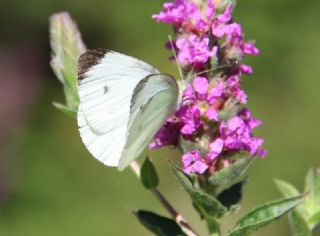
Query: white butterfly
pixel 123 103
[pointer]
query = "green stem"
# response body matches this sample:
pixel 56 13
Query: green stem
pixel 213 224
pixel 214 227
pixel 166 204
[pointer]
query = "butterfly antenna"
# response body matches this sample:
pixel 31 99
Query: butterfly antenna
pixel 175 56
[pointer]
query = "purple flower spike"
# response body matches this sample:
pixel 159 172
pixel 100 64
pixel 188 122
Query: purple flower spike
pixel 207 37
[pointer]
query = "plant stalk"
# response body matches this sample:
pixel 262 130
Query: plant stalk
pixel 166 204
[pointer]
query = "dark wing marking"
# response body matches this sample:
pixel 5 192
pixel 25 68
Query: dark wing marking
pixel 89 59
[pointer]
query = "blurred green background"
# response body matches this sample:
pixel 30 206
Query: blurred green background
pixel 50 185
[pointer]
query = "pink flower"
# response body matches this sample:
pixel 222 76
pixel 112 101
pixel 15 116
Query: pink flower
pixel 262 153
pixel 194 51
pixel 215 93
pixel 206 38
pixel 234 89
pixel 185 14
pixel 220 27
pixel 210 11
pixel 248 119
pixel 175 12
pixel 167 135
pixel 250 49
pixel 246 69
pixel 237 133
pixel 193 163
pixel 226 16
pixel 188 94
pixel 234 33
pixel 190 117
pixel 216 148
pixel 201 85
pixel 218 30
pixel 212 114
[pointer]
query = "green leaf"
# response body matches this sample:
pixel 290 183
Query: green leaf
pixel 208 206
pixel 148 175
pixel 159 225
pixel 231 197
pixel 64 109
pixel 230 173
pixel 288 190
pixel 264 215
pixel 314 220
pixel 67 46
pixel 299 226
pixel 312 202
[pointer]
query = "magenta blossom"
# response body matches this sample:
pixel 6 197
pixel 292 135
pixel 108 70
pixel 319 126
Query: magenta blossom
pixel 185 14
pixel 176 12
pixel 208 39
pixel 236 133
pixel 194 51
pixel 220 26
pixel 193 163
pixel 167 135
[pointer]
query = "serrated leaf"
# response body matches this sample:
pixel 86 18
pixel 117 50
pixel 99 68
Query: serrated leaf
pixel 298 225
pixel 231 197
pixel 67 46
pixel 208 206
pixel 231 172
pixel 64 109
pixel 264 215
pixel 159 225
pixel 148 175
pixel 312 202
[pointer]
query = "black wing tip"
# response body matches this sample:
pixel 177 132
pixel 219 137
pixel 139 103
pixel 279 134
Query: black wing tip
pixel 89 59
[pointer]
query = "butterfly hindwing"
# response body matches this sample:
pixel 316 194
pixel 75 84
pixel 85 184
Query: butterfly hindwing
pixel 154 99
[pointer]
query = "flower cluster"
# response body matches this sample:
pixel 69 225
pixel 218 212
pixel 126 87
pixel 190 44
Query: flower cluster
pixel 210 126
